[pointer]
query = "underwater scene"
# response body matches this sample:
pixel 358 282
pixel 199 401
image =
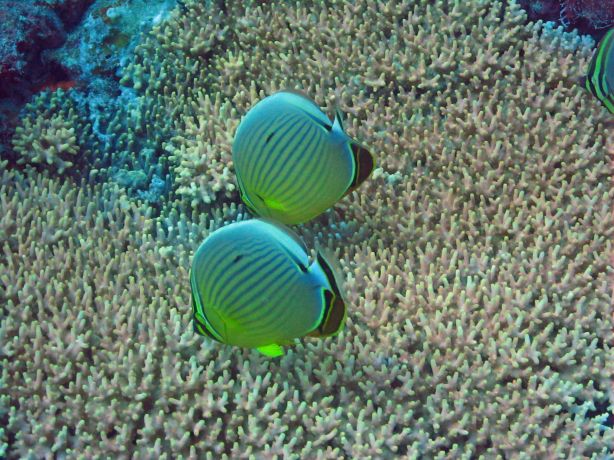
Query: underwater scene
pixel 340 229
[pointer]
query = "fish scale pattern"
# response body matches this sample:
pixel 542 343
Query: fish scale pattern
pixel 477 258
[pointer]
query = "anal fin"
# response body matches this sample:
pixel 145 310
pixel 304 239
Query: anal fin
pixel 273 350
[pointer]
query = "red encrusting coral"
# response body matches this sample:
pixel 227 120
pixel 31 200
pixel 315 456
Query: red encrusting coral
pixel 55 85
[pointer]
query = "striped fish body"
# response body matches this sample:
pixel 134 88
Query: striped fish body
pixel 600 77
pixel 252 286
pixel 292 162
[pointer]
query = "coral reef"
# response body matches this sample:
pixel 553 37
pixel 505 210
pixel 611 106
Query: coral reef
pixel 587 16
pixel 598 13
pixel 47 140
pixel 477 259
pixel 69 11
pixel 46 44
pixel 25 30
pixel 54 134
pixel 546 10
pixel 201 155
pixel 104 38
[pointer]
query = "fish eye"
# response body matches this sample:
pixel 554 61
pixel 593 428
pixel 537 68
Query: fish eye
pixel 237 258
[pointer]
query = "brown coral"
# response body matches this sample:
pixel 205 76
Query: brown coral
pixel 476 259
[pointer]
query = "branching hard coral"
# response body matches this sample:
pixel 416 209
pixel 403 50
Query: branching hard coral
pixel 477 258
pixel 166 75
pixel 200 155
pixel 53 134
pixel 47 141
pixel 96 290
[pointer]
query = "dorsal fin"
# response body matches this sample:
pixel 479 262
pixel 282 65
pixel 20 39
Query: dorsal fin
pixel 339 118
pixel 364 163
pixel 327 126
pixel 287 231
pixel 302 94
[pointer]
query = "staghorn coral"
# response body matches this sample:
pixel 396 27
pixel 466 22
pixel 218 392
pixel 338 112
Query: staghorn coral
pixel 53 134
pixel 477 259
pixel 201 156
pixel 170 108
pixel 65 351
pixel 47 141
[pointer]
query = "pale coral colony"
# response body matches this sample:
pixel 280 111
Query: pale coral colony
pixel 476 258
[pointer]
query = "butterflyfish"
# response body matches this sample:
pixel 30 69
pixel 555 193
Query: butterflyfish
pixel 292 162
pixel 253 286
pixel 600 77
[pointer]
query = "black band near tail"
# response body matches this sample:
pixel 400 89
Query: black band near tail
pixel 334 305
pixel 363 165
